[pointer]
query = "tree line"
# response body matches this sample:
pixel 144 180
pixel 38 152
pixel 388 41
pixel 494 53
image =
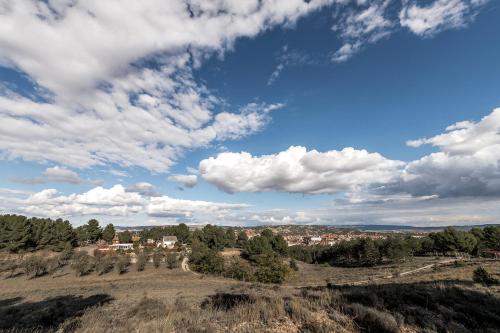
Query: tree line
pixel 368 252
pixel 19 233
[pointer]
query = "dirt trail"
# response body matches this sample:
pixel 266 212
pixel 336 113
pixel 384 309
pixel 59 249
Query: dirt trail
pixel 185 266
pixel 390 276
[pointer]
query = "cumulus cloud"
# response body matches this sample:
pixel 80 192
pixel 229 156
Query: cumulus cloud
pixel 298 170
pixel 186 180
pixel 467 164
pixel 55 174
pixel 125 68
pixel 113 201
pixel 169 207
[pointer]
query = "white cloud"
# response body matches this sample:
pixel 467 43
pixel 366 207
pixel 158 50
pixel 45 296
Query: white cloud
pixel 438 15
pixel 468 164
pixel 367 22
pixel 186 180
pixel 169 207
pixel 124 67
pixel 114 201
pixel 143 188
pixel 61 175
pixel 55 174
pixel 298 170
pixel 360 27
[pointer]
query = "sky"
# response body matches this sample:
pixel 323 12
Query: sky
pixel 251 112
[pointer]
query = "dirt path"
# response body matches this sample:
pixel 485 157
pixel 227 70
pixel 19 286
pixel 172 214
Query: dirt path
pixel 185 266
pixel 390 276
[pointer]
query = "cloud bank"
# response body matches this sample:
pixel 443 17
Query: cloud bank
pixel 468 164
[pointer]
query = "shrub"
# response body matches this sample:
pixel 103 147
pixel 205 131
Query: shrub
pixel 122 264
pixel 482 276
pixel 171 260
pixel 82 263
pixel 373 320
pixel 205 260
pixel 141 262
pixel 240 270
pixel 293 265
pixel 104 265
pixel 34 266
pixel 271 269
pixel 157 257
pixel 67 253
pixel 148 309
pixel 53 264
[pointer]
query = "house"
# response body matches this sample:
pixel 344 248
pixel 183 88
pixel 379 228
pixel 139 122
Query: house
pixel 122 246
pixel 135 238
pixel 116 240
pixel 168 242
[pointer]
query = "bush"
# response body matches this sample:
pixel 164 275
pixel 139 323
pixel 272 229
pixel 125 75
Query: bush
pixel 271 269
pixel 157 257
pixel 171 260
pixel 141 262
pixel 482 276
pixel 82 263
pixel 293 265
pixel 53 264
pixel 34 266
pixel 240 270
pixel 104 265
pixel 373 320
pixel 122 264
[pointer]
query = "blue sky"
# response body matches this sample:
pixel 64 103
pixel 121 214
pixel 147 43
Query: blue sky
pixel 192 119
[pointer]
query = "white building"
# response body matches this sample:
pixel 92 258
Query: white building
pixel 168 242
pixel 122 246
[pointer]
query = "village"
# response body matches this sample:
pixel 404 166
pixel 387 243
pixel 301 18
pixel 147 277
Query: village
pixel 308 238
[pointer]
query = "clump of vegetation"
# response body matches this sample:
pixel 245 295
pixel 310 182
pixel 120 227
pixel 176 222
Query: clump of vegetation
pixel 141 262
pixel 293 265
pixel 122 264
pixel 34 266
pixel 54 263
pixel 157 258
pixel 271 269
pixel 148 309
pixel 205 260
pixel 373 319
pixel 239 269
pixel 104 264
pixel 481 275
pixel 82 263
pixel 171 260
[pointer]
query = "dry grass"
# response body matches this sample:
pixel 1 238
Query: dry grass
pixel 164 300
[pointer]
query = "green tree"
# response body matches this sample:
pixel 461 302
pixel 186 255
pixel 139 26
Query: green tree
pixel 205 260
pixel 182 233
pixel 125 237
pixel 108 233
pixel 94 231
pixel 271 269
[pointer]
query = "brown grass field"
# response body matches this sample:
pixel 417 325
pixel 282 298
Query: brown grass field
pixel 163 300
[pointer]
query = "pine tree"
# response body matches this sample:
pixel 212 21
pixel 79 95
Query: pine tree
pixel 108 233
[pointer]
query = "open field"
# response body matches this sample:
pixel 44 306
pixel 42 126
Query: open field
pixel 157 300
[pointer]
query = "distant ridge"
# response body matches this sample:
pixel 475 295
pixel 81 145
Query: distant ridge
pixel 361 227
